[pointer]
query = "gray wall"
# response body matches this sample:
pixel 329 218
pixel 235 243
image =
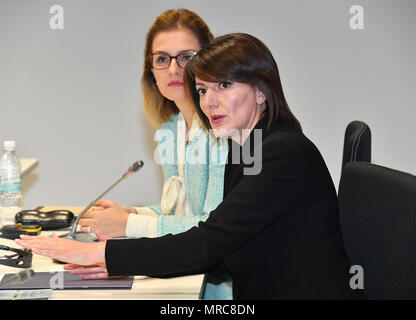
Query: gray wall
pixel 72 97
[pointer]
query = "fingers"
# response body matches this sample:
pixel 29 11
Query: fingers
pixel 93 211
pixel 97 208
pixel 32 245
pixel 106 203
pixel 45 246
pixel 91 215
pixel 102 275
pixel 87 228
pixel 40 239
pixel 48 253
pixel 99 203
pixel 28 242
pixel 23 244
pixel 75 269
pixel 85 222
pixel 92 229
pixel 40 247
pixel 71 266
pixel 101 237
pixel 88 272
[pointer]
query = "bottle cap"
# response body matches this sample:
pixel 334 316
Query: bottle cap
pixel 9 145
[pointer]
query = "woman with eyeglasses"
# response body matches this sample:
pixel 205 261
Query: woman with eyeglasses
pixel 192 185
pixel 277 232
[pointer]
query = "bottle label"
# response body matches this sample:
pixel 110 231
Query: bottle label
pixel 10 185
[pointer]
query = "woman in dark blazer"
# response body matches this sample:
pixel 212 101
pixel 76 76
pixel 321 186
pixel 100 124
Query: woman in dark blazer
pixel 276 233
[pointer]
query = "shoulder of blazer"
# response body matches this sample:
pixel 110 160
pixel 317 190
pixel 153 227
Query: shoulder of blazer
pixel 171 122
pixel 289 145
pixel 286 135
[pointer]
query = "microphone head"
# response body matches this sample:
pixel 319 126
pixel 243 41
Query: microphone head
pixel 136 166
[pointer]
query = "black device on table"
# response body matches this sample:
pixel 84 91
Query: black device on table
pixel 20 258
pixel 51 220
pixel 13 231
pixel 31 222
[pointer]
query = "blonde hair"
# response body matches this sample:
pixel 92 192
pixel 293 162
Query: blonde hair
pixel 158 109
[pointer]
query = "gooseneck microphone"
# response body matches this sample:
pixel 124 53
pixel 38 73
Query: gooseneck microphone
pixel 88 236
pixel 19 277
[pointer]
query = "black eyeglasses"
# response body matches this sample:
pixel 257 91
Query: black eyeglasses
pixel 162 60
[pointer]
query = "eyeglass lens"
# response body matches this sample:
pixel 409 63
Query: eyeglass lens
pixel 163 60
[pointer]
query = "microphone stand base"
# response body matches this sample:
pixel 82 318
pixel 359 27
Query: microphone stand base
pixel 81 236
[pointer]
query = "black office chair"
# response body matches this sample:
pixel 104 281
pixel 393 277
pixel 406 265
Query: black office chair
pixel 357 143
pixel 378 220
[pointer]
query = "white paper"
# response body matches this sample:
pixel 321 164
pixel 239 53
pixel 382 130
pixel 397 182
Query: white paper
pixel 41 294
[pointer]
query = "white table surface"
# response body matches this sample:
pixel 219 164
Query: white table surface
pixel 178 288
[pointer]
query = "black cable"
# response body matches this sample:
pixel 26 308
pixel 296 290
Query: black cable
pixel 19 259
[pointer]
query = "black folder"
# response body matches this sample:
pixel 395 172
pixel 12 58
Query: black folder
pixel 63 280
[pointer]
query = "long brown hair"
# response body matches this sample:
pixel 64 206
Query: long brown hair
pixel 158 109
pixel 240 57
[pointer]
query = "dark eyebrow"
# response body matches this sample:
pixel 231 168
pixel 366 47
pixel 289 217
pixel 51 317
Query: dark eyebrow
pixel 179 52
pixel 200 84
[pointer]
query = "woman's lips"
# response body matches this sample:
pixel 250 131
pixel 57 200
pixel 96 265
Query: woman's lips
pixel 175 83
pixel 216 118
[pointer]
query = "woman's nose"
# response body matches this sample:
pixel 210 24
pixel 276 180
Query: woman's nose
pixel 174 67
pixel 210 99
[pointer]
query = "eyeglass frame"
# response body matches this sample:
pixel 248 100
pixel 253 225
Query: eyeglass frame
pixel 170 57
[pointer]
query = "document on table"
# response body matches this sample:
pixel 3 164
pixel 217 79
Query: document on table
pixel 43 294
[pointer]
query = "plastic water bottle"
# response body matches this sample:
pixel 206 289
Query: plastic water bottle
pixel 11 199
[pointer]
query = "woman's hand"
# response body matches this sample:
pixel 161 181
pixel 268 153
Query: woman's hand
pixel 107 218
pixel 98 271
pixel 65 250
pixel 104 204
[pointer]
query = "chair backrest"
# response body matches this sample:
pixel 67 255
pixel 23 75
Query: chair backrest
pixel 378 220
pixel 357 143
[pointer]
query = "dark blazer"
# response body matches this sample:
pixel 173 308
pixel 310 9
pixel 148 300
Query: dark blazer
pixel 276 233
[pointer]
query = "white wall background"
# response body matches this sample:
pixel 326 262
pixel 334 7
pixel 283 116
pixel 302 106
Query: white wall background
pixel 72 97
